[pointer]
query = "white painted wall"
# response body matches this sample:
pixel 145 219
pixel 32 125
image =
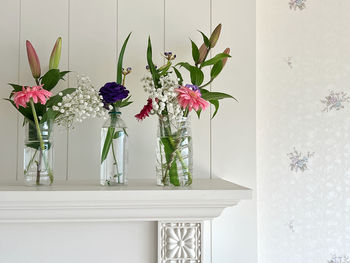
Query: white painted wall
pixel 92 34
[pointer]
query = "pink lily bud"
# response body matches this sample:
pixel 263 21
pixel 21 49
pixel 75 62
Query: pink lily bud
pixel 33 60
pixel 56 54
pixel 215 36
pixel 226 51
pixel 203 50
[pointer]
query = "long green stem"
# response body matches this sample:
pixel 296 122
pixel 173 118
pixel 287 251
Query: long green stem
pixel 42 146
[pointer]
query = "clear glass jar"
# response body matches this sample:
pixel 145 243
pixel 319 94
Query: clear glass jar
pixel 38 158
pixel 114 152
pixel 174 152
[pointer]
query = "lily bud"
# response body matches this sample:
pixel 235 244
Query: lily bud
pixel 33 60
pixel 226 51
pixel 215 36
pixel 203 50
pixel 56 54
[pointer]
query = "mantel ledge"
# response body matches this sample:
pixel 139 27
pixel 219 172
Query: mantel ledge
pixel 140 200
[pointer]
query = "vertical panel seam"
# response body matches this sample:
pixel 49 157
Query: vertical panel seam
pixel 68 52
pixel 117 28
pixel 18 79
pixel 211 137
pixel 210 108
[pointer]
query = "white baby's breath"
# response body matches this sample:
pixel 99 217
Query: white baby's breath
pixel 163 97
pixel 84 102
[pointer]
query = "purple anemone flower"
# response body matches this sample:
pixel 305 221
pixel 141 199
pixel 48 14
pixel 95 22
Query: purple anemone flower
pixel 113 92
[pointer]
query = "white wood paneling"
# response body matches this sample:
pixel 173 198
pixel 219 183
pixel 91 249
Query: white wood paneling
pixel 8 74
pixel 92 52
pixel 43 37
pixel 142 135
pixel 144 19
pixel 233 129
pixel 182 20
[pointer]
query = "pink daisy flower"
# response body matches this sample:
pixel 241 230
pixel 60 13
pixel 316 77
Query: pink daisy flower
pixel 191 99
pixel 37 93
pixel 145 111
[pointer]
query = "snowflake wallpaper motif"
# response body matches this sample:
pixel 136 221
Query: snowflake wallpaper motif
pixel 299 161
pixel 335 101
pixel 297 4
pixel 340 259
pixel 303 198
pixel 289 62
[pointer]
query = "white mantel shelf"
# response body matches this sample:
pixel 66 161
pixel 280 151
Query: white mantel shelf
pixel 140 200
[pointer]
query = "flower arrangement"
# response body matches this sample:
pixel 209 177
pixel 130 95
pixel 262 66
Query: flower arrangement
pixel 172 101
pixel 36 104
pixel 115 96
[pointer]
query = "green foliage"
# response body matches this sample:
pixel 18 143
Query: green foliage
pixel 216 69
pixel 120 60
pixel 107 144
pixel 152 68
pixel 216 105
pixel 179 76
pixel 169 151
pixel 196 74
pixel 57 98
pixel 195 52
pixel 208 95
pixel 50 79
pixel 212 61
pixel 205 39
pixel 123 103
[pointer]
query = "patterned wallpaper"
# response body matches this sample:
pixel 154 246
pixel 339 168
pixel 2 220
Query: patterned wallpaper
pixel 303 102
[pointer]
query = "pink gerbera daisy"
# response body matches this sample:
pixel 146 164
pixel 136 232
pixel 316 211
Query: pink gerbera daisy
pixel 191 99
pixel 37 93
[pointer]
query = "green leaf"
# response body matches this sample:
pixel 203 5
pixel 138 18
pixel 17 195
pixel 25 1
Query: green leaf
pixel 123 103
pixel 50 79
pixel 152 68
pixel 16 87
pixel 216 69
pixel 205 39
pixel 198 112
pixel 215 95
pixel 195 52
pixel 178 75
pixel 174 177
pixel 50 114
pixel 120 60
pixel 107 143
pixel 215 59
pixel 26 112
pixel 63 73
pixel 164 69
pixel 57 98
pixel 169 151
pixel 117 134
pixel 216 105
pixel 196 74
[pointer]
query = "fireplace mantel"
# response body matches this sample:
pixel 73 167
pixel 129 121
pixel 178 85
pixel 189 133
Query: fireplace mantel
pixel 140 200
pixel 179 211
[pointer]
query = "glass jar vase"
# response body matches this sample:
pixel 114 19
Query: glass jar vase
pixel 174 154
pixel 38 153
pixel 114 155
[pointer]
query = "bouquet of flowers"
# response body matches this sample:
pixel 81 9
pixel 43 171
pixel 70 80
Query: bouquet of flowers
pixel 41 109
pixel 172 102
pixel 115 96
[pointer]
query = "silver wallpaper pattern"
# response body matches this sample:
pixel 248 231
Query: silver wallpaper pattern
pixel 304 113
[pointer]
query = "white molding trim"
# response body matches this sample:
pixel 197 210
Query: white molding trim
pixel 141 200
